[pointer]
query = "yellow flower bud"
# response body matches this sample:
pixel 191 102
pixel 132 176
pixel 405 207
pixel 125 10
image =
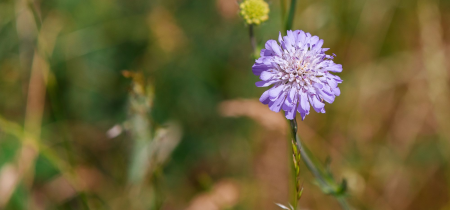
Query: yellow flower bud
pixel 254 11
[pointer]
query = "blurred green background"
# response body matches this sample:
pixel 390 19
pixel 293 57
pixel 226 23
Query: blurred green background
pixel 132 104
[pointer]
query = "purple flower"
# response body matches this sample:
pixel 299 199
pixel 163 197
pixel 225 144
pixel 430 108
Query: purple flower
pixel 299 71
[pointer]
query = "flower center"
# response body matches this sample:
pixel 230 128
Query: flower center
pixel 302 68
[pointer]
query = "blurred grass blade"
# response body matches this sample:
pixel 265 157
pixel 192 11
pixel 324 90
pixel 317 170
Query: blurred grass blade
pixel 291 15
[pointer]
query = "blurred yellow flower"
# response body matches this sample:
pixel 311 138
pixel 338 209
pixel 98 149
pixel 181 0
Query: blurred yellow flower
pixel 254 11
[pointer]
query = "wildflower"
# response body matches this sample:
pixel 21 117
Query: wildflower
pixel 254 11
pixel 299 71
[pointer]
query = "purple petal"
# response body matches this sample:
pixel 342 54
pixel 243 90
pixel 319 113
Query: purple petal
pixel 307 39
pixel 292 97
pixel 275 91
pixel 258 69
pixel 326 89
pixel 336 91
pixel 286 105
pixel 266 75
pixel 289 41
pixel 265 60
pixel 332 83
pixel 301 38
pixel 267 53
pixel 290 114
pixel 304 104
pixel 287 44
pixel 265 83
pixel 338 79
pixel 316 104
pixel 313 40
pixel 334 68
pixel 318 85
pixel 296 35
pixel 280 38
pixel 265 97
pixel 290 37
pixel 318 45
pixel 303 115
pixel 276 105
pixel 273 46
pixel 326 96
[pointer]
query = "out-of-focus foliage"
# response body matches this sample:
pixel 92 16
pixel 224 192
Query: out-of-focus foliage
pixel 69 119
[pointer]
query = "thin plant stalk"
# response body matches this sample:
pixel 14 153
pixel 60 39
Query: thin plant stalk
pixel 312 167
pixel 42 56
pixel 291 14
pixel 304 156
pixel 252 38
pixel 296 162
pixel 343 202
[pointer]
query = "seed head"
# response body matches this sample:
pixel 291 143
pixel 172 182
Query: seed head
pixel 254 11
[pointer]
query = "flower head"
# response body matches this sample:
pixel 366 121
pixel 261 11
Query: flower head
pixel 254 11
pixel 300 73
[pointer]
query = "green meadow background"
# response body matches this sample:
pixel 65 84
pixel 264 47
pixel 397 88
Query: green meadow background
pixel 132 104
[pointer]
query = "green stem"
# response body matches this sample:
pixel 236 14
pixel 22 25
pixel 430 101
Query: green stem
pixel 306 159
pixel 344 203
pixel 252 38
pixel 290 18
pixel 296 177
pixel 312 167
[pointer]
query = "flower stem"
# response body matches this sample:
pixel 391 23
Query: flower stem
pixel 290 18
pixel 343 203
pixel 313 168
pixel 309 164
pixel 296 162
pixel 252 38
